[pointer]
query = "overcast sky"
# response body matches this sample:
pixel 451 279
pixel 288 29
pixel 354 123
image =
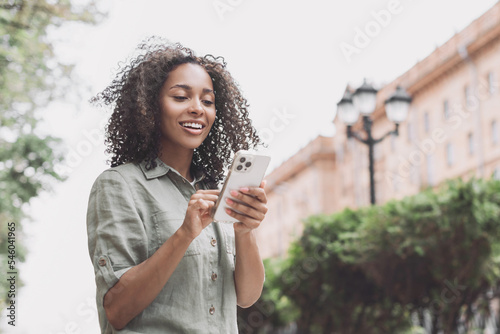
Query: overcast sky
pixel 292 60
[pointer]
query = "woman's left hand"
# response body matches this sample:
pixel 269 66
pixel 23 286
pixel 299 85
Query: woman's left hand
pixel 253 207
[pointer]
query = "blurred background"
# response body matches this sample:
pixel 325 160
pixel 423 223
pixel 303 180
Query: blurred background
pixel 293 61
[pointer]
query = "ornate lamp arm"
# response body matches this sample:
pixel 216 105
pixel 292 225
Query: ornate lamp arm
pixel 393 132
pixel 356 135
pixel 370 142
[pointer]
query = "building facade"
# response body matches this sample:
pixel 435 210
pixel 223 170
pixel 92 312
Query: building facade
pixel 452 130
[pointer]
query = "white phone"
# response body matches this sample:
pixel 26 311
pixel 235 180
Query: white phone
pixel 247 170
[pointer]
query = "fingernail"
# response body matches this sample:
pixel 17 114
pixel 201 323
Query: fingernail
pixel 229 201
pixel 228 211
pixel 234 193
pixel 244 190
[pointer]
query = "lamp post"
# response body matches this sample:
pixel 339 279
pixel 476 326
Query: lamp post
pixel 363 101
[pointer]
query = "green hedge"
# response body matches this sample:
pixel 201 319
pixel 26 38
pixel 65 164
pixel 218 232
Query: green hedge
pixel 382 269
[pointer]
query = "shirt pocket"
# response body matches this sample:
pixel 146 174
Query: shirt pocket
pixel 165 224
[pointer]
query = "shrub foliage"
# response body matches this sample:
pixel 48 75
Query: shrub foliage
pixel 428 261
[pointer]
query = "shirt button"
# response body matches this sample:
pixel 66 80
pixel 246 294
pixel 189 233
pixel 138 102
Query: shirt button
pixel 213 242
pixel 214 276
pixel 102 261
pixel 212 310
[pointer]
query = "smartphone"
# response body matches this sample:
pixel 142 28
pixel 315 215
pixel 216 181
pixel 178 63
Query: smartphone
pixel 247 170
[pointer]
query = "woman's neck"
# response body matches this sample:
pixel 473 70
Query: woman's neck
pixel 180 160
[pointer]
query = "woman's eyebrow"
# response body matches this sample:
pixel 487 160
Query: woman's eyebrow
pixel 187 87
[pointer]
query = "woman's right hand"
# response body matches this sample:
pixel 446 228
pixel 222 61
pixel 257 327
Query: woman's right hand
pixel 199 211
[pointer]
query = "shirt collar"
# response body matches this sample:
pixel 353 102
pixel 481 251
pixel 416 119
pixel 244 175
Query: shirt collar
pixel 162 169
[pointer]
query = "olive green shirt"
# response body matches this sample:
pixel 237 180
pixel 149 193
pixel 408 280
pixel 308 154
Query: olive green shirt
pixel 131 213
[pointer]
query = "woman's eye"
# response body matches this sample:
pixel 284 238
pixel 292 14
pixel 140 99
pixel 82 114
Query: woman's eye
pixel 207 102
pixel 180 98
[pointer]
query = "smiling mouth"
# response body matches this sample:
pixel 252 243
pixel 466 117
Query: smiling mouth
pixel 191 125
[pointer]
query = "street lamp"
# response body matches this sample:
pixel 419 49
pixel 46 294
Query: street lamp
pixel 363 101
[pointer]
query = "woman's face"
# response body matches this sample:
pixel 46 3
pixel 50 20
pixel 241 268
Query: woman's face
pixel 187 104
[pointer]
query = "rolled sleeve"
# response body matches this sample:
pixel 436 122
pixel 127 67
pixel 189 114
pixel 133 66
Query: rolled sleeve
pixel 116 233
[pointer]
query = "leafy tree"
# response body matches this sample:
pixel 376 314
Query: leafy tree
pixel 273 309
pixel 429 260
pixel 30 77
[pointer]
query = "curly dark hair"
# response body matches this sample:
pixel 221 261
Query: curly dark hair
pixel 133 131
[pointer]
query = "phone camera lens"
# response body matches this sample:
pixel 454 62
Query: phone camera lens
pixel 242 160
pixel 240 167
pixel 248 164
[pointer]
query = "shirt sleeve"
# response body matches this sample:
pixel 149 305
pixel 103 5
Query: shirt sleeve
pixel 116 235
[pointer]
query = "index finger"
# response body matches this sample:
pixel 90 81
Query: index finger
pixel 209 191
pixel 257 192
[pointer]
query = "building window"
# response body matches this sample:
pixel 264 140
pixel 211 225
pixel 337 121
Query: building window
pixel 410 132
pixel 469 97
pixel 492 83
pixel 414 174
pixel 470 143
pixel 449 154
pixel 393 143
pixel 446 109
pixel 340 153
pixel 395 184
pixel 430 170
pixel 427 125
pixel 496 173
pixel 494 132
pixel 377 152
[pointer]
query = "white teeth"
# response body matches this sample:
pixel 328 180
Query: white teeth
pixel 192 125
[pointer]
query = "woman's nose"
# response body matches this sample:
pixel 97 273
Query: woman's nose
pixel 196 107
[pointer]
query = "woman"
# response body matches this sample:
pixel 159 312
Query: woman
pixel 161 264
